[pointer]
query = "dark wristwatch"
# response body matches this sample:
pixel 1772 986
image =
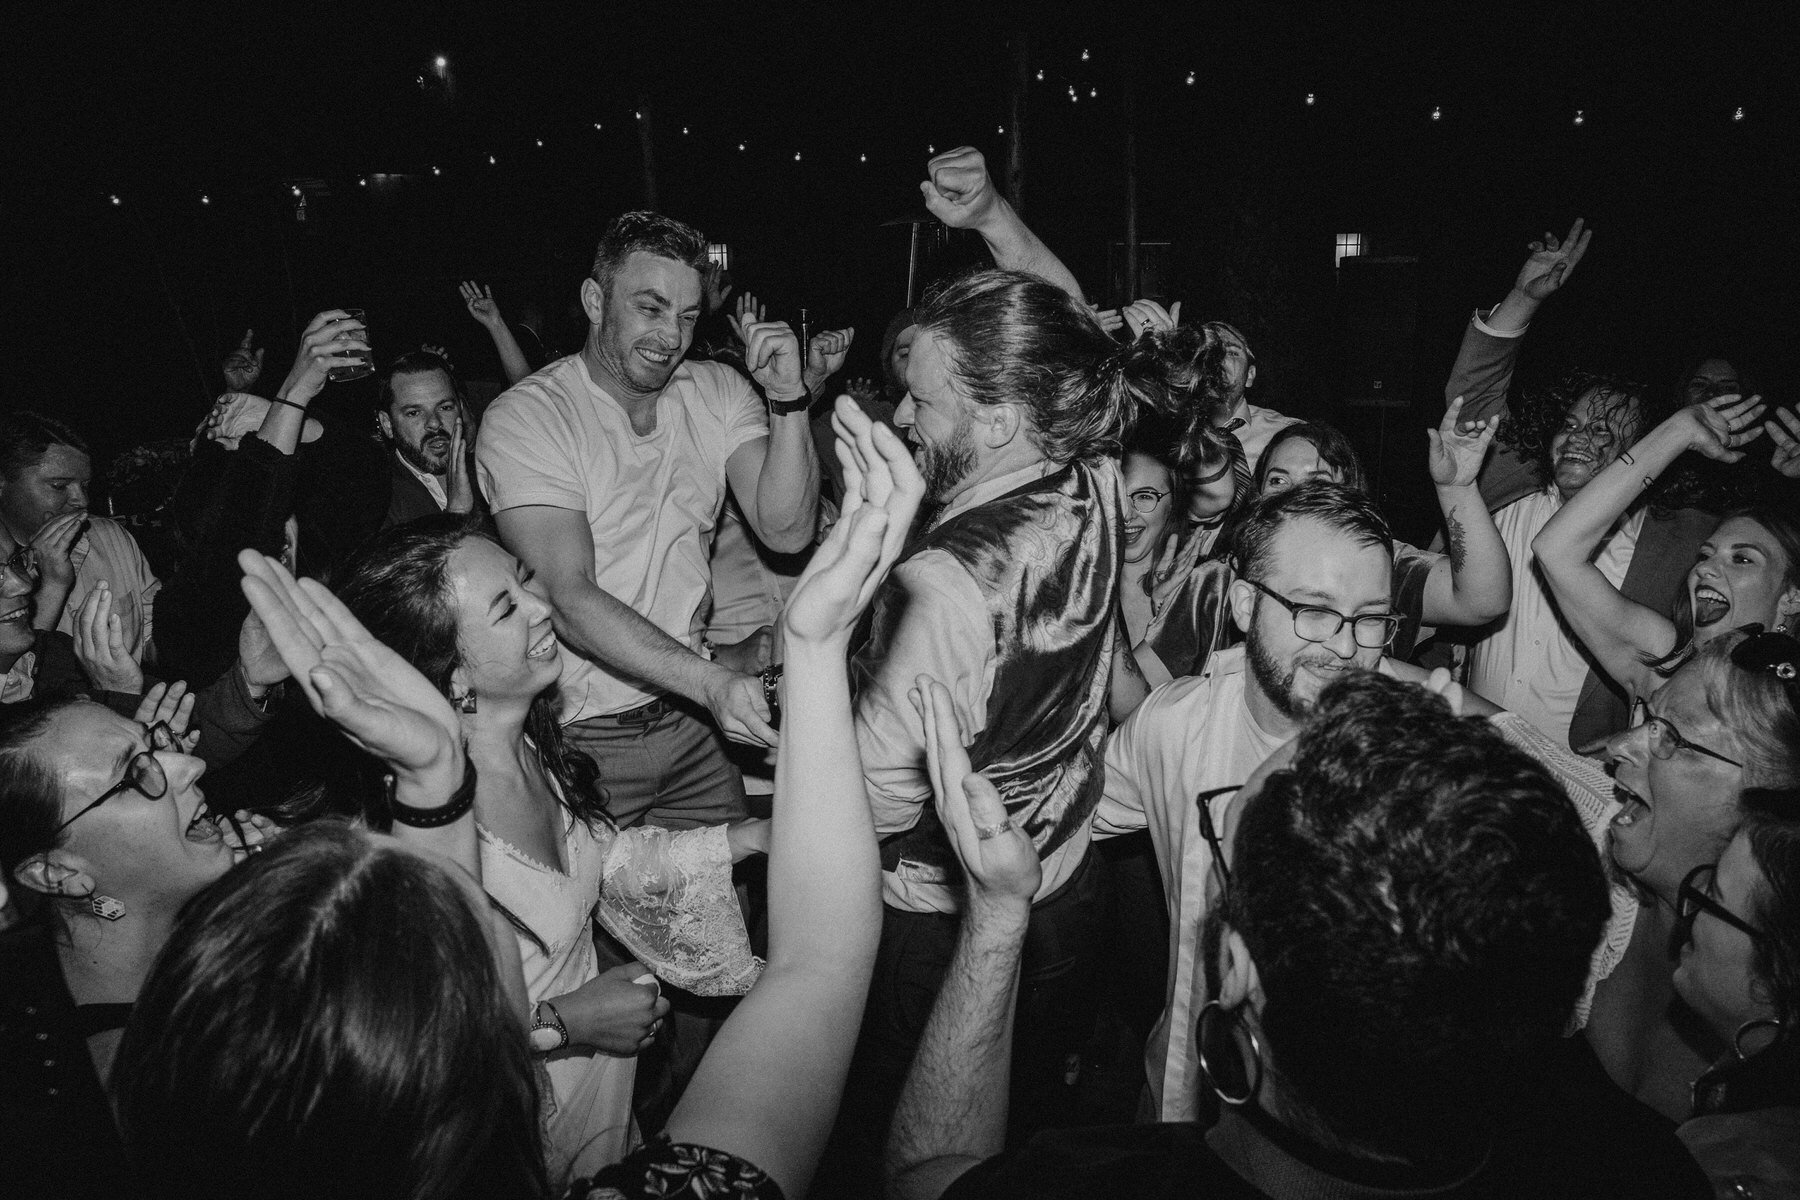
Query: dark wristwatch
pixel 786 408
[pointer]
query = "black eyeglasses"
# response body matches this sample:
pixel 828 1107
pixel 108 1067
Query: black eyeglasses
pixel 1665 739
pixel 142 774
pixel 1210 832
pixel 1145 500
pixel 1316 624
pixel 24 561
pixel 1693 899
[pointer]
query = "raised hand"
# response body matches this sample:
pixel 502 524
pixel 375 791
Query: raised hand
pixel 1111 319
pixel 243 366
pixel 479 300
pixel 1783 429
pixel 377 698
pixel 1552 262
pixel 1144 316
pixel 825 354
pixel 958 190
pixel 332 339
pixel 1720 425
pixel 100 645
pixel 772 356
pixel 746 312
pixel 862 389
pixel 1458 447
pixel 459 489
pixel 172 704
pixel 998 859
pixel 882 490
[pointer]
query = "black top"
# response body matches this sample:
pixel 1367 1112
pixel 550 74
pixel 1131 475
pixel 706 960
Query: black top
pixel 57 1136
pixel 1582 1139
pixel 677 1171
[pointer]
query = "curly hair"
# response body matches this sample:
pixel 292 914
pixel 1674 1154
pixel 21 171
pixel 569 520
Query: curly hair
pixel 1421 902
pixel 1537 416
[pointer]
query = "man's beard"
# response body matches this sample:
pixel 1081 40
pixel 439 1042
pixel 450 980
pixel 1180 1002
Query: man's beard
pixel 421 460
pixel 1276 679
pixel 946 466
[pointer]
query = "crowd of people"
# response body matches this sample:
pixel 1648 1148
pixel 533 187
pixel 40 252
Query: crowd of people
pixel 682 776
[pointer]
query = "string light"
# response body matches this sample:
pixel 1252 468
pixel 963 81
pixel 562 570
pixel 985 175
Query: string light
pixel 596 127
pixel 1190 79
pixel 639 115
pixel 1437 114
pixel 1737 114
pixel 684 131
pixel 1580 118
pixel 436 171
pixel 864 158
pixel 540 143
pixel 363 182
pixel 740 147
pixel 1093 93
pixel 999 129
pixel 296 191
pixel 115 199
pixel 1084 56
pixel 931 149
pixel 490 160
pixel 1310 98
pixel 796 156
pixel 1040 75
pixel 441 62
pixel 205 199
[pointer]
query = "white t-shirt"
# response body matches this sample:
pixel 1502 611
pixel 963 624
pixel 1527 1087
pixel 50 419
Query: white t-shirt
pixel 1188 735
pixel 1531 664
pixel 557 439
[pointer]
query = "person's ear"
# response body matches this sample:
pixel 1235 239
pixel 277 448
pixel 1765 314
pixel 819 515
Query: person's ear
pixel 460 684
pixel 1242 598
pixel 1003 424
pixel 384 423
pixel 1239 982
pixel 1786 609
pixel 593 301
pixel 55 873
pixel 1250 377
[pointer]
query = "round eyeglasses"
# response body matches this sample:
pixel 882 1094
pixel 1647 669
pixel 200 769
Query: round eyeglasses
pixel 143 774
pixel 1145 500
pixel 1665 739
pixel 1316 624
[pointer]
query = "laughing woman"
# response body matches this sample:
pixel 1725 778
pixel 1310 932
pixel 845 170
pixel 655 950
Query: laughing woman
pixel 1748 571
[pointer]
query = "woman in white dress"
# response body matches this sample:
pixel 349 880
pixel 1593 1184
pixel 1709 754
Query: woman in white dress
pixel 465 612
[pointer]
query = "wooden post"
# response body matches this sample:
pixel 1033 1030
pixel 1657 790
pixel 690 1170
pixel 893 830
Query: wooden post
pixel 1018 101
pixel 648 144
pixel 1131 197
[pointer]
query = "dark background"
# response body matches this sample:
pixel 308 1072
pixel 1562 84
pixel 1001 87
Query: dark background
pixel 116 315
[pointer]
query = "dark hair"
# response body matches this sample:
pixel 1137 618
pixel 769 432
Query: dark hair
pixel 399 586
pixel 1013 338
pixel 1421 902
pixel 1331 504
pixel 1781 525
pixel 328 1020
pixel 417 362
pixel 31 795
pixel 1770 1077
pixel 652 233
pixel 1537 416
pixel 1334 450
pixel 25 437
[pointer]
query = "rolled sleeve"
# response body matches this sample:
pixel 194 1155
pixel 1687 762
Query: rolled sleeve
pixel 939 629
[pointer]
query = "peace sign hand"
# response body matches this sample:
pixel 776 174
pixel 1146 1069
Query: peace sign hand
pixel 1552 262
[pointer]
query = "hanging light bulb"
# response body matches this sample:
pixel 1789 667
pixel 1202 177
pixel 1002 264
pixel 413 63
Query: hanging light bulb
pixel 115 199
pixel 490 160
pixel 1437 114
pixel 1580 118
pixel 1040 75
pixel 596 127
pixel 436 171
pixel 931 149
pixel 296 191
pixel 796 156
pixel 540 143
pixel 684 131
pixel 864 158
pixel 440 62
pixel 637 114
pixel 1309 99
pixel 1084 56
pixel 1737 114
pixel 1190 79
pixel 205 199
pixel 363 182
pixel 1093 93
pixel 740 147
pixel 999 129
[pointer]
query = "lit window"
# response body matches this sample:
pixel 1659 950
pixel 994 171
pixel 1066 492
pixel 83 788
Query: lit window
pixel 1349 245
pixel 719 254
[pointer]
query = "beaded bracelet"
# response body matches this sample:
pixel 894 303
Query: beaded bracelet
pixel 458 806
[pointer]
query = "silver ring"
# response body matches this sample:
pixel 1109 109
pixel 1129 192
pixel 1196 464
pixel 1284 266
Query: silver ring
pixel 986 832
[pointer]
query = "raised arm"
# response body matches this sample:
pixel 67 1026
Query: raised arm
pixel 558 545
pixel 480 302
pixel 768 1088
pixel 960 193
pixel 1620 633
pixel 952 1111
pixel 776 480
pixel 1471 583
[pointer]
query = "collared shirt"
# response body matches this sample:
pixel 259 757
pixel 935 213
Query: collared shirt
pixel 1254 427
pixel 1532 664
pixel 946 635
pixel 651 500
pixel 433 483
pixel 1187 736
pixel 105 552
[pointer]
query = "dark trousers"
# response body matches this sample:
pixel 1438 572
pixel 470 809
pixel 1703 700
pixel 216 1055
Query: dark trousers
pixel 1053 1023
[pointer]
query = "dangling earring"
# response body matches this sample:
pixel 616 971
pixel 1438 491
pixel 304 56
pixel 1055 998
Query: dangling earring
pixel 1737 1041
pixel 106 906
pixel 465 703
pixel 1213 1009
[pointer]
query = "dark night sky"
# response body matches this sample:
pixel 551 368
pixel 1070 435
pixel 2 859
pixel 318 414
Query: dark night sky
pixel 116 316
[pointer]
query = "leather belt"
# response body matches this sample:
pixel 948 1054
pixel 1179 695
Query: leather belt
pixel 643 714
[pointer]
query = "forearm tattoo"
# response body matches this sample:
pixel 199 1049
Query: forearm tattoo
pixel 1457 543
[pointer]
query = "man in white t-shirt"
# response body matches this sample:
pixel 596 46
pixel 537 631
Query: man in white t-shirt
pixel 606 472
pixel 1313 598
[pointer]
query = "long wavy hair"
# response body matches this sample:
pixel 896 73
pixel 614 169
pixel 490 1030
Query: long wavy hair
pixel 329 1021
pixel 1537 416
pixel 1784 527
pixel 399 586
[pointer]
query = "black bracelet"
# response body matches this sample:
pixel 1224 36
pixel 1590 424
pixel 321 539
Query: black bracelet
pixel 461 801
pixel 289 403
pixel 787 408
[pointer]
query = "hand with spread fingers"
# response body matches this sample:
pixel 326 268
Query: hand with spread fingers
pixel 173 705
pixel 377 698
pixel 1783 428
pixel 998 859
pixel 1459 447
pixel 1719 426
pixel 746 312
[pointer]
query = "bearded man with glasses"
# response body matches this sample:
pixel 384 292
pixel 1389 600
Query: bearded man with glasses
pixel 1313 598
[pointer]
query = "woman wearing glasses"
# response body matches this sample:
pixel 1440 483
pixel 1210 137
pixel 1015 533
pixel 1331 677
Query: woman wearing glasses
pixel 1740 973
pixel 103 838
pixel 1722 724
